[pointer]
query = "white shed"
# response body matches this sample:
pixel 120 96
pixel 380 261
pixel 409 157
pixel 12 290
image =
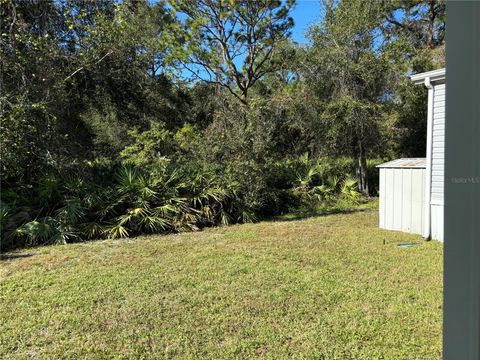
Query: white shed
pixel 433 186
pixel 402 195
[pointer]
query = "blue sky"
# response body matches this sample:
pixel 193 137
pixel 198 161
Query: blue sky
pixel 304 14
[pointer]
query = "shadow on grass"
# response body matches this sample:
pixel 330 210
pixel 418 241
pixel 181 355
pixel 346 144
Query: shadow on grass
pixel 14 256
pixel 319 213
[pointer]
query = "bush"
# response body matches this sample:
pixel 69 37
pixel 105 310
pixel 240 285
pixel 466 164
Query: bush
pixel 373 175
pixel 105 199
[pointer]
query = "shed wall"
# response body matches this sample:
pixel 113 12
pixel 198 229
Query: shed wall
pixel 402 199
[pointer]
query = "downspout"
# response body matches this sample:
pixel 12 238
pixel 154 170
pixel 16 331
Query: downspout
pixel 428 177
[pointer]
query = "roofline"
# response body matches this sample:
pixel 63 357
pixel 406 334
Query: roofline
pixel 388 164
pixel 434 76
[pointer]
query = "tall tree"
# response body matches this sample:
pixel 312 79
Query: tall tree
pixel 76 75
pixel 347 70
pixel 233 43
pixel 415 31
pixel 30 61
pixel 421 20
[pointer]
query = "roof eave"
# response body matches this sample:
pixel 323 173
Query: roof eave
pixel 435 76
pixel 404 163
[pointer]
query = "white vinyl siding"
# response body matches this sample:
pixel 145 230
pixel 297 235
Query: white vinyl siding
pixel 437 222
pixel 438 144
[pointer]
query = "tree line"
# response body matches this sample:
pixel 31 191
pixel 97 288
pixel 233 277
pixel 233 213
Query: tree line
pixel 130 117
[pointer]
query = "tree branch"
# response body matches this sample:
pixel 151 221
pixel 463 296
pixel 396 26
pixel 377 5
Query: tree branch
pixel 83 67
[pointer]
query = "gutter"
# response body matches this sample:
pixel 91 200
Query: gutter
pixel 428 180
pixel 434 76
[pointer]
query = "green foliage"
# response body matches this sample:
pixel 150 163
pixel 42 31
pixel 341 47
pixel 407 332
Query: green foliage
pixel 346 53
pixel 102 136
pixel 233 43
pixel 108 131
pixel 26 131
pixel 149 147
pixel 316 188
pixel 162 196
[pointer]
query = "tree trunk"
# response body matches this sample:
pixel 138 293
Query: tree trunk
pixel 431 25
pixel 361 169
pixel 243 97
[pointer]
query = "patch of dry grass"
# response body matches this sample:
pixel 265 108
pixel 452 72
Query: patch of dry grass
pixel 324 287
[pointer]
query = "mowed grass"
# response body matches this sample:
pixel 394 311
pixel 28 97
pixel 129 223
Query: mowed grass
pixel 321 288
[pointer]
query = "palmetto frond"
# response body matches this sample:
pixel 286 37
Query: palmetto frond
pixel 71 212
pixel 169 209
pixel 225 218
pixel 146 187
pixel 92 229
pixel 333 182
pixel 155 223
pixel 5 213
pixel 64 234
pixel 116 231
pixel 349 190
pixel 127 179
pixel 76 185
pixel 133 215
pixel 110 203
pixel 40 230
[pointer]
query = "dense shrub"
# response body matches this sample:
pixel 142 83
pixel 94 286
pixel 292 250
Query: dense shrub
pixel 373 175
pixel 110 200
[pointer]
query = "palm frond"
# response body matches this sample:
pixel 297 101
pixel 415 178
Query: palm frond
pixel 116 231
pixel 225 218
pixel 37 231
pixel 349 190
pixel 92 229
pixel 72 211
pixel 155 223
pixel 127 179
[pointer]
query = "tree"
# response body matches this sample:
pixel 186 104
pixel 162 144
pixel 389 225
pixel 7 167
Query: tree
pixel 421 20
pixel 417 27
pixel 415 34
pixel 77 75
pixel 347 70
pixel 29 59
pixel 233 43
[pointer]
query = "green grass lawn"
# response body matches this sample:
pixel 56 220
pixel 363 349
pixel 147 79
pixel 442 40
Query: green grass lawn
pixel 331 287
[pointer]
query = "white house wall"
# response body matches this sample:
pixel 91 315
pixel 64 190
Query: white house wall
pixel 437 221
pixel 438 162
pixel 438 144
